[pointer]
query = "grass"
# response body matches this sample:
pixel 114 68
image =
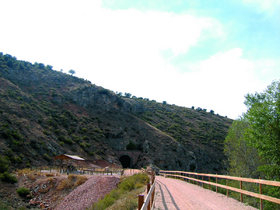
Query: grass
pixel 128 201
pixel 125 196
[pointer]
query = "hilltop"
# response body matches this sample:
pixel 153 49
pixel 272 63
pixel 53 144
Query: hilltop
pixel 45 112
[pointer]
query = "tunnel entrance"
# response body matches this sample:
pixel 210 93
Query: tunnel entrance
pixel 125 161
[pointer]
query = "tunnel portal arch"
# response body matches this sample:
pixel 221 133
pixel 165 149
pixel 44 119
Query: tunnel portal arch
pixel 126 161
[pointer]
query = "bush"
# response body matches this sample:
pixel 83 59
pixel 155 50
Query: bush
pixel 7 177
pixel 23 192
pixel 72 181
pixel 131 146
pixel 4 164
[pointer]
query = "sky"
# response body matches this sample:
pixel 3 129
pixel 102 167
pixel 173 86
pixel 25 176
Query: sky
pixel 199 53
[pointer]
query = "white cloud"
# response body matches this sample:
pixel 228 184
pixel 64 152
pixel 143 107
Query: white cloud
pixel 268 6
pixel 121 50
pixel 221 82
pixel 109 47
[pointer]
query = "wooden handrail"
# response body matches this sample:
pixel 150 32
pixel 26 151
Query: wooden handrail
pixel 148 203
pixel 241 191
pixel 257 181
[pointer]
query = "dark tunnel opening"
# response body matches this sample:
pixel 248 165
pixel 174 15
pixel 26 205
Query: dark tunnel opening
pixel 125 161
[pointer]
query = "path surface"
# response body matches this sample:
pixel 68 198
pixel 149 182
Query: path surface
pixel 130 172
pixel 177 194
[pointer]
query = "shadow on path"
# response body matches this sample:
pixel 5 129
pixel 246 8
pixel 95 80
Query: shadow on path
pixel 163 200
pixel 162 197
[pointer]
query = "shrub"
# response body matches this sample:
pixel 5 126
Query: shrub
pixel 4 164
pixel 72 181
pixel 131 146
pixel 80 180
pixel 7 177
pixel 23 192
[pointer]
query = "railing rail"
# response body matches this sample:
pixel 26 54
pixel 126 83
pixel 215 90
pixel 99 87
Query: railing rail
pixel 147 204
pixel 183 174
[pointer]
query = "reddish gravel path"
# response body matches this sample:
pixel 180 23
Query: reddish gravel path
pixel 177 194
pixel 88 193
pixel 130 172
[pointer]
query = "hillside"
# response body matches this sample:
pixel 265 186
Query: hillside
pixel 44 113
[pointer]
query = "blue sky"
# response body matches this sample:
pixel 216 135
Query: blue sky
pixel 200 53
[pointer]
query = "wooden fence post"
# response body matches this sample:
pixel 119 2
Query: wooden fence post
pixel 261 201
pixel 153 195
pixel 140 201
pixel 148 187
pixel 241 195
pixel 148 190
pixel 227 185
pixel 216 183
pixel 209 181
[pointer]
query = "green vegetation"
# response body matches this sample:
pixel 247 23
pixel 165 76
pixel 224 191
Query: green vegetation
pixel 4 206
pixel 131 146
pixel 126 191
pixel 5 176
pixel 23 192
pixel 252 144
pixel 4 164
pixel 242 156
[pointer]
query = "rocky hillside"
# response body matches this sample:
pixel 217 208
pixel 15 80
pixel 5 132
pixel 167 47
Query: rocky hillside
pixel 44 113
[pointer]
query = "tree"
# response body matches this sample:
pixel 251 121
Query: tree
pixel 71 71
pixel 127 95
pixel 243 159
pixel 49 67
pixel 263 133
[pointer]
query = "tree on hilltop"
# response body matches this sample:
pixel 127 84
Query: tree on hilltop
pixel 71 71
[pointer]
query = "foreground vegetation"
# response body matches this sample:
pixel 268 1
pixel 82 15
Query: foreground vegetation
pixel 253 142
pixel 125 196
pixel 5 176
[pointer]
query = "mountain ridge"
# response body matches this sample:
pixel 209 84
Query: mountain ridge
pixel 46 112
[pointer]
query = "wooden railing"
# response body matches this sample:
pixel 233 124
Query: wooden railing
pixel 147 204
pixel 195 177
pixel 92 171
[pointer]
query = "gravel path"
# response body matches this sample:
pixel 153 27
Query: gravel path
pixel 130 172
pixel 177 194
pixel 88 193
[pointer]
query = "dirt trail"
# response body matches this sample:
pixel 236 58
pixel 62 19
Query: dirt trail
pixel 177 194
pixel 130 172
pixel 88 193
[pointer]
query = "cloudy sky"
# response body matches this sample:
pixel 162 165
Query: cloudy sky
pixel 199 53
